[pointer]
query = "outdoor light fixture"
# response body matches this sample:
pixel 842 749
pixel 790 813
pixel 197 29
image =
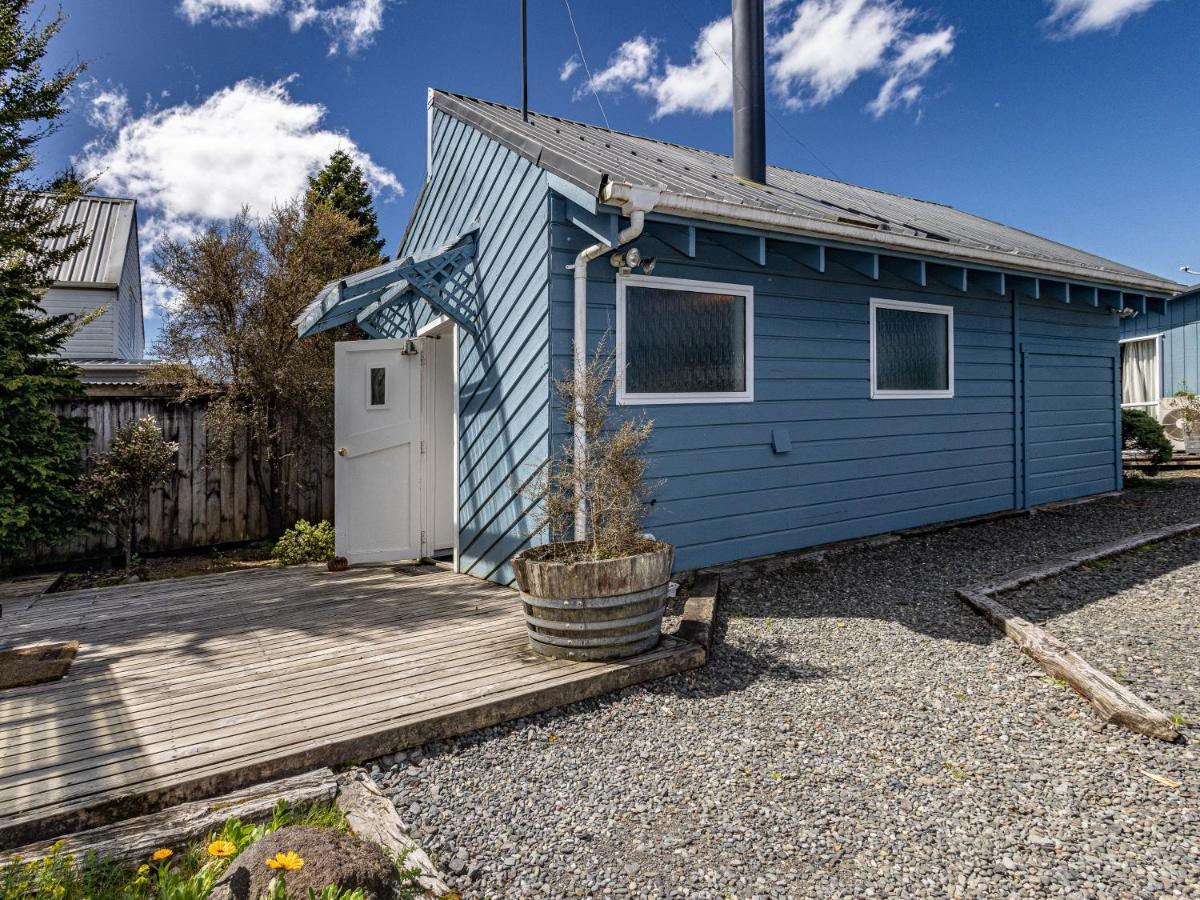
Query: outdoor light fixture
pixel 632 259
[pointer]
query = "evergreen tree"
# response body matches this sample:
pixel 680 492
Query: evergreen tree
pixel 39 451
pixel 342 185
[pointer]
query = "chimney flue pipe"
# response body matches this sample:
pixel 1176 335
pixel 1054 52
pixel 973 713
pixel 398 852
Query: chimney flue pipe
pixel 749 92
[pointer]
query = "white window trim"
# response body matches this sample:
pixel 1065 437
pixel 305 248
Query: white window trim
pixel 948 312
pixel 700 287
pixel 1154 408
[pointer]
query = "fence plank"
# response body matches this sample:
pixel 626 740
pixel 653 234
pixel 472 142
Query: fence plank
pixel 209 500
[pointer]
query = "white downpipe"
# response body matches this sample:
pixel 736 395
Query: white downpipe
pixel 640 202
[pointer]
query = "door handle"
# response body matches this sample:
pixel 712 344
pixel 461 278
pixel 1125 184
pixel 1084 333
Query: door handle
pixel 341 451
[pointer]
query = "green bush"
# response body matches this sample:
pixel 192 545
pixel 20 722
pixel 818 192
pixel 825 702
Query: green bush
pixel 1141 431
pixel 305 542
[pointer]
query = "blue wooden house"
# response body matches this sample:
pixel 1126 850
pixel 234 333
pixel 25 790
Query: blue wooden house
pixel 1160 355
pixel 821 361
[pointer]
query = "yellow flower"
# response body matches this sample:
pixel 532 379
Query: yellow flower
pixel 290 861
pixel 143 869
pixel 222 848
pixel 162 853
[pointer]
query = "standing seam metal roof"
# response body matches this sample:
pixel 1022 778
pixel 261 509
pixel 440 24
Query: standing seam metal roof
pixel 106 223
pixel 590 156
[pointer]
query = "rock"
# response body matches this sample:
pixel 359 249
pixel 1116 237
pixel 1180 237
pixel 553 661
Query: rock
pixel 330 858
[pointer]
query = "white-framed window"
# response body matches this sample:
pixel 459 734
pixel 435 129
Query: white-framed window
pixel 1141 373
pixel 681 341
pixel 912 350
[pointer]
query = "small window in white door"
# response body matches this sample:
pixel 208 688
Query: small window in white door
pixel 377 387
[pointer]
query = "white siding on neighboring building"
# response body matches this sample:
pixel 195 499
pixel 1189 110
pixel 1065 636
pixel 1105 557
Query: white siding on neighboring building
pixel 106 271
pixel 95 340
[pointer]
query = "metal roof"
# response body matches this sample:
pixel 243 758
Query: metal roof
pixel 107 224
pixel 601 162
pixel 113 371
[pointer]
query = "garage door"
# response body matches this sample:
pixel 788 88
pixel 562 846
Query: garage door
pixel 1071 423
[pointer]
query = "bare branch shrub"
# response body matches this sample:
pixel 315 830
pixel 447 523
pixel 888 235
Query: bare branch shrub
pixel 607 473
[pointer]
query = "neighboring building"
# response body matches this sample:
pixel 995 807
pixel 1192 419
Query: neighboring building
pixel 821 361
pixel 106 272
pixel 1160 355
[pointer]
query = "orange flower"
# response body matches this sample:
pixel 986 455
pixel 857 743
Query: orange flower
pixel 290 861
pixel 222 848
pixel 161 854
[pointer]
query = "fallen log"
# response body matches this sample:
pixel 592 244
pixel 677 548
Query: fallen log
pixel 372 817
pixel 1115 702
pixel 133 840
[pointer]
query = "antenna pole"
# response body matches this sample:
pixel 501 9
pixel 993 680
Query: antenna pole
pixel 524 61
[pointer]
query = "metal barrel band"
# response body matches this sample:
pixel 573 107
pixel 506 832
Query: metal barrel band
pixel 610 641
pixel 554 625
pixel 595 602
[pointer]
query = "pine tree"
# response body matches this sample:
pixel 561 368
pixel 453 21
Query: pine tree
pixel 342 185
pixel 39 450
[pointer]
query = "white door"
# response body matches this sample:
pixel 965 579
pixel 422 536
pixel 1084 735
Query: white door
pixel 377 436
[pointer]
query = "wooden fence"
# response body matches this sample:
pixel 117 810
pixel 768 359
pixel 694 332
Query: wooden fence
pixel 207 500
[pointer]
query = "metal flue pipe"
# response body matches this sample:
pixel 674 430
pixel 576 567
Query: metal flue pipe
pixel 749 92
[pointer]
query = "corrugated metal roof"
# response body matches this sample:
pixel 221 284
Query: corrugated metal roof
pixel 594 158
pixel 106 223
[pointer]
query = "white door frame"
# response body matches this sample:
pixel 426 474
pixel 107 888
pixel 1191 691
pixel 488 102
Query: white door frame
pixel 444 328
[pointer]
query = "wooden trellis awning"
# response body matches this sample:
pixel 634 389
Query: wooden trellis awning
pixel 444 277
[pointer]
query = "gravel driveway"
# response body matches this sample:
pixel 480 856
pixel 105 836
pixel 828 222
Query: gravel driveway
pixel 1136 616
pixel 858 732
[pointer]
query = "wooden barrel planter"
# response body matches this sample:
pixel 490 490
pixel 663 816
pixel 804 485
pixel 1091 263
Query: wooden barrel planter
pixel 609 609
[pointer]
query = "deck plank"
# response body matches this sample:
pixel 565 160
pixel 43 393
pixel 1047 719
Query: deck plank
pixel 197 686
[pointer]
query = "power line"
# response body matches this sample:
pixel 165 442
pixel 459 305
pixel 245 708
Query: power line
pixel 586 69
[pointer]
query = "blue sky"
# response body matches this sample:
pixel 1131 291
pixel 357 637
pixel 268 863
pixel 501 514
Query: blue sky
pixel 1075 119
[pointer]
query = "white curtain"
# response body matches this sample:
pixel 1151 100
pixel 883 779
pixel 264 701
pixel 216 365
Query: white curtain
pixel 1139 360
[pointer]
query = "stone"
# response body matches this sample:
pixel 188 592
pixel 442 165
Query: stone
pixel 330 858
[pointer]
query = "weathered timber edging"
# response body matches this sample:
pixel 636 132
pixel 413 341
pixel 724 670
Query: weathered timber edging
pixel 372 817
pixel 133 840
pixel 1115 702
pixel 700 610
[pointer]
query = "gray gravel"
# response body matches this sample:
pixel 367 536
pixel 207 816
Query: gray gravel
pixel 1136 616
pixel 858 732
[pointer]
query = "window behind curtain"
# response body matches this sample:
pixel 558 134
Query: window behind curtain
pixel 681 342
pixel 912 350
pixel 1139 364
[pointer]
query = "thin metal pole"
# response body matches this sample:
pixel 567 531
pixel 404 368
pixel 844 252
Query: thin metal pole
pixel 524 61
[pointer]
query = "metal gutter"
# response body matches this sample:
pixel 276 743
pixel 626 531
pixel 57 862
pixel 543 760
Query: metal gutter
pixel 716 210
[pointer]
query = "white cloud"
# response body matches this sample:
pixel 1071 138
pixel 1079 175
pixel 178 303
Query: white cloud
pixel 906 72
pixel 815 50
pixel 110 107
pixel 350 24
pixel 631 65
pixel 703 85
pixel 249 145
pixel 1069 18
pixel 228 12
pixel 569 68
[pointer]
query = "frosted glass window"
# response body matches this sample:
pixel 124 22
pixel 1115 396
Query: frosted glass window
pixel 912 350
pixel 685 344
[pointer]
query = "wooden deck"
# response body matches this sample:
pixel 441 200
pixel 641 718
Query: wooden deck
pixel 188 688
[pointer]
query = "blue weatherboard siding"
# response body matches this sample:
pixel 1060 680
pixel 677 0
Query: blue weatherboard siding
pixel 1180 328
pixel 504 375
pixel 858 466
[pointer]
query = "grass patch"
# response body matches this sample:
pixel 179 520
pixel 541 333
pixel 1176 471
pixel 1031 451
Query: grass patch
pixel 185 873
